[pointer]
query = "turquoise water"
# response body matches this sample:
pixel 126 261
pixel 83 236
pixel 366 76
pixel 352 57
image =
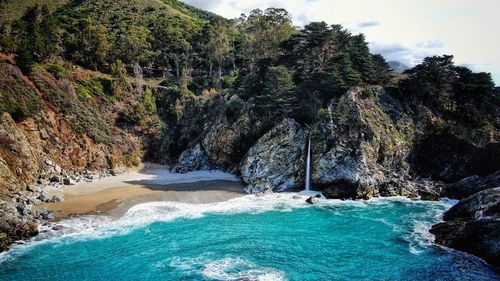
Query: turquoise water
pixel 273 237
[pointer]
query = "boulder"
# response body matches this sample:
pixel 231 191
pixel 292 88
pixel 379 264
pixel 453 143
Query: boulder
pixel 56 199
pixel 276 161
pixel 56 179
pixel 43 197
pixel 68 181
pixel 312 200
pixel 193 159
pixel 471 185
pixel 473 226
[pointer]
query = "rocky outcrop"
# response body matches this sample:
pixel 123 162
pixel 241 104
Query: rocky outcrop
pixel 471 185
pixel 276 161
pixel 45 147
pixel 193 159
pixel 444 156
pixel 360 150
pixel 473 226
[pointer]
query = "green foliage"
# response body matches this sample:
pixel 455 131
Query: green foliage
pixel 218 46
pixel 90 46
pixel 172 38
pixel 276 97
pixel 324 114
pixel 132 159
pixel 120 84
pixel 17 97
pixel 7 44
pixel 37 37
pixel 59 71
pixel 262 32
pixel 149 101
pixel 134 44
pixel 465 100
pixel 90 88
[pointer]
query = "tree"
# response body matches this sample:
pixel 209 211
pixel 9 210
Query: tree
pixel 119 74
pixel 134 45
pixel 7 44
pixel 276 98
pixel 218 46
pixel 432 81
pixel 262 34
pixel 149 102
pixel 36 37
pixel 172 41
pixel 91 44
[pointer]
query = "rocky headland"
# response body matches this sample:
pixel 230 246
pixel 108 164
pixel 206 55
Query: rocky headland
pixel 175 85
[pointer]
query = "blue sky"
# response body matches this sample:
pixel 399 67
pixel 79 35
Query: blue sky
pixel 401 30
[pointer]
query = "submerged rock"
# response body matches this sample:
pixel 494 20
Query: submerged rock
pixel 473 226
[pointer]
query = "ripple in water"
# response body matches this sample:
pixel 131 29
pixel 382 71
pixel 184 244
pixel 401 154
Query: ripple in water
pixel 272 237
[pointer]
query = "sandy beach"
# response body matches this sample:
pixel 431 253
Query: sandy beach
pixel 115 195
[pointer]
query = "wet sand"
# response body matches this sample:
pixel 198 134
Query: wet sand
pixel 115 195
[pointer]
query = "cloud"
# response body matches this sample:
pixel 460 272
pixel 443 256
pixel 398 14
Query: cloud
pixel 371 23
pixel 410 31
pixel 433 44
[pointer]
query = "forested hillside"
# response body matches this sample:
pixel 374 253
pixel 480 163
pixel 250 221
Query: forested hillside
pixel 101 84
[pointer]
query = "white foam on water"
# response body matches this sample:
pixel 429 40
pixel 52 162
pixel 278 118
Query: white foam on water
pixel 239 269
pixel 98 227
pixel 420 238
pixel 228 268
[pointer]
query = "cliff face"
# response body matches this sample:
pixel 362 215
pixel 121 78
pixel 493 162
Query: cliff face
pixel 363 146
pixel 473 226
pixel 43 146
pixel 366 143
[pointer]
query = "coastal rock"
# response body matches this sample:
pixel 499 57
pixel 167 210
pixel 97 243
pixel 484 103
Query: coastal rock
pixel 276 161
pixel 312 200
pixel 471 185
pixel 56 199
pixel 68 181
pixel 359 148
pixel 444 156
pixel 473 226
pixel 193 159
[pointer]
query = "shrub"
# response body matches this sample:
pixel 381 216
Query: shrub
pixel 149 101
pixel 17 97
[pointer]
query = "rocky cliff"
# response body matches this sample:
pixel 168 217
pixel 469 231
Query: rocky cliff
pixel 41 144
pixel 473 226
pixel 360 148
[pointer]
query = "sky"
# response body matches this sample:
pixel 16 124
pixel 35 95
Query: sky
pixel 401 30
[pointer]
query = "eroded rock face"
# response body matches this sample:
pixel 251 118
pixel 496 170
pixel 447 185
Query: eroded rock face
pixel 193 159
pixel 227 142
pixel 359 149
pixel 471 185
pixel 473 226
pixel 276 161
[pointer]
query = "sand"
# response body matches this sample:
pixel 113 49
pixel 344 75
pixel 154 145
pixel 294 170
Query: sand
pixel 115 195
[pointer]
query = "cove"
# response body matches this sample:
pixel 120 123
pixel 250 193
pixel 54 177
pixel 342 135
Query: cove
pixel 272 237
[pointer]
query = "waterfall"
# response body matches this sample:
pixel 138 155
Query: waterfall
pixel 308 166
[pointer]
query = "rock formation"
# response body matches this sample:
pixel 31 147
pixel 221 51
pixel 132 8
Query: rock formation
pixel 473 226
pixel 276 161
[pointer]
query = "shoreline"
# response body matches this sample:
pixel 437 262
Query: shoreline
pixel 114 195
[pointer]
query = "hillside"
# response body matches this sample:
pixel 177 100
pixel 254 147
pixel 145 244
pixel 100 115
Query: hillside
pixel 11 10
pixel 97 86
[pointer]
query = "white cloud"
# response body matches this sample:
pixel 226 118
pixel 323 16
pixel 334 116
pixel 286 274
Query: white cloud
pixel 404 30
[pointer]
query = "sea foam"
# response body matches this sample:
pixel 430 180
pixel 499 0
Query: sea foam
pixel 99 227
